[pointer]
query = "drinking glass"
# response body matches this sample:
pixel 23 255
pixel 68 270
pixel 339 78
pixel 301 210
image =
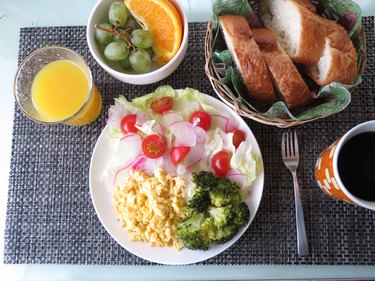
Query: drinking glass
pixel 29 69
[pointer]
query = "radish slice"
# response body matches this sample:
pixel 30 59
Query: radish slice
pixel 200 133
pixel 128 148
pixel 223 122
pixel 142 118
pixel 149 165
pixel 127 151
pixel 121 174
pixel 138 163
pixel 194 156
pixel 184 133
pixel 172 117
pixel 159 129
pixel 167 165
pixel 145 164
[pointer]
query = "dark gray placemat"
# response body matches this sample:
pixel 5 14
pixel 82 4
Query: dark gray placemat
pixel 50 217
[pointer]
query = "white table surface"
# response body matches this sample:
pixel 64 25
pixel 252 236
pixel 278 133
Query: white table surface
pixel 24 13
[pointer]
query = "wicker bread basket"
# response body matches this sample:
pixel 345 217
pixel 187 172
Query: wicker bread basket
pixel 242 109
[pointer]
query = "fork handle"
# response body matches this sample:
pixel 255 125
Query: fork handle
pixel 302 244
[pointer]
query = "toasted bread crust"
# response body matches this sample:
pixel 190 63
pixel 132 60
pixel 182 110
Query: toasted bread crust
pixel 285 75
pixel 308 5
pixel 343 67
pixel 312 37
pixel 247 57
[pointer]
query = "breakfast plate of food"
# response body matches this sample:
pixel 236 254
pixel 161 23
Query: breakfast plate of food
pixel 176 176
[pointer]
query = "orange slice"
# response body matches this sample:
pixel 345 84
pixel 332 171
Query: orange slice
pixel 164 22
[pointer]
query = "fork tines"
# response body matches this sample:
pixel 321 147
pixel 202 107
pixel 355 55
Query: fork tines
pixel 289 144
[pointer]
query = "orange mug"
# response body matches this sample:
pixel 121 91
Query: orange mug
pixel 346 169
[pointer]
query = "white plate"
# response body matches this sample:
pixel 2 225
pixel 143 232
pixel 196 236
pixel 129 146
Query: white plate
pixel 102 200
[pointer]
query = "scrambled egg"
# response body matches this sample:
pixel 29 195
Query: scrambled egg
pixel 150 207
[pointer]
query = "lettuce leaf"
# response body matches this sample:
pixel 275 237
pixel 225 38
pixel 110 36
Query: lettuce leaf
pixel 144 102
pixel 186 102
pixel 243 161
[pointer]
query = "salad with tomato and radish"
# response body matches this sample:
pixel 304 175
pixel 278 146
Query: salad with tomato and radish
pixel 179 131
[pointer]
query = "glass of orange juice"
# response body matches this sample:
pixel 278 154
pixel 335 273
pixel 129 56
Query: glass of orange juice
pixel 54 85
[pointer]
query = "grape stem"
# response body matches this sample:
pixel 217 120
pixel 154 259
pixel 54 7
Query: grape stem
pixel 124 36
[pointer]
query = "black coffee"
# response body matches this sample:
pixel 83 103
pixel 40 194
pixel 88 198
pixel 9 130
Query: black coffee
pixel 356 165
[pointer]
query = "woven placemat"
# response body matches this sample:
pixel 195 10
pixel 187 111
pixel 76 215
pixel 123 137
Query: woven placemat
pixel 51 219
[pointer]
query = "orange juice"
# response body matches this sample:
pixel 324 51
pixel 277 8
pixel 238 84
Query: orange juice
pixel 60 91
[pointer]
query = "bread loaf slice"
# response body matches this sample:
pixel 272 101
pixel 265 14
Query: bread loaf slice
pixel 338 62
pixel 297 26
pixel 308 5
pixel 247 57
pixel 285 75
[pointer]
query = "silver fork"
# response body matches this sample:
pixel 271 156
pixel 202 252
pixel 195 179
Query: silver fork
pixel 290 154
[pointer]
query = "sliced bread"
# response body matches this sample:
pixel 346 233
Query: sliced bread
pixel 338 62
pixel 297 26
pixel 308 5
pixel 285 75
pixel 247 58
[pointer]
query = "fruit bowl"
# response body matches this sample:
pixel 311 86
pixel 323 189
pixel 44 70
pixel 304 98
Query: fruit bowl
pixel 227 83
pixel 99 14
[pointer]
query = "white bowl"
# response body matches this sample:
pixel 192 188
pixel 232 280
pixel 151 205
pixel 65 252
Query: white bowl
pixel 99 14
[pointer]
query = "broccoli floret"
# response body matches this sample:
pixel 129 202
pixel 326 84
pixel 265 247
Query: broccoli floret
pixel 187 214
pixel 199 202
pixel 224 234
pixel 224 194
pixel 195 241
pixel 241 214
pixel 227 183
pixel 204 181
pixel 190 233
pixel 209 229
pixel 222 216
pixel 214 214
pixel 194 222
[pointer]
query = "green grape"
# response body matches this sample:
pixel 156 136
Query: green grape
pixel 118 38
pixel 125 63
pixel 117 14
pixel 140 61
pixel 150 52
pixel 141 38
pixel 103 37
pixel 116 51
pixel 131 22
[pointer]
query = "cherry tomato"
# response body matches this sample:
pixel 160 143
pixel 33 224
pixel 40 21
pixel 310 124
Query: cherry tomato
pixel 178 154
pixel 201 118
pixel 127 124
pixel 238 137
pixel 162 105
pixel 220 163
pixel 154 146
